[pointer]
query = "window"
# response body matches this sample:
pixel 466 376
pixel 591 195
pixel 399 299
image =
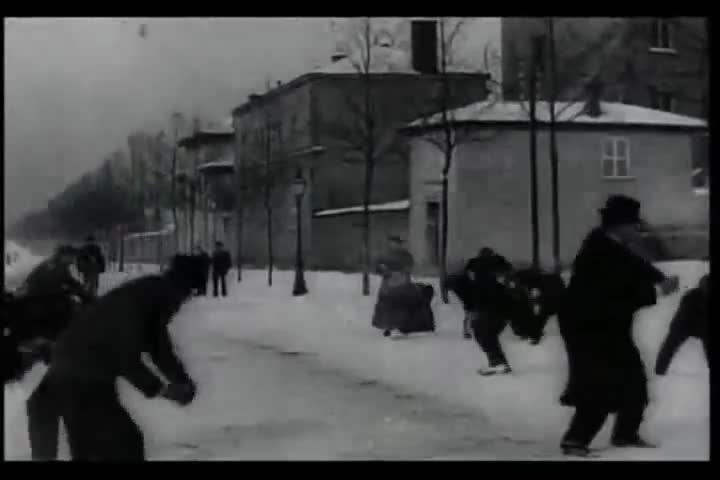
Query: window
pixel 616 158
pixel 660 100
pixel 660 35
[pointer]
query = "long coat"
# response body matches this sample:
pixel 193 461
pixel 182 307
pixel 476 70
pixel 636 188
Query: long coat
pixel 397 297
pixel 608 285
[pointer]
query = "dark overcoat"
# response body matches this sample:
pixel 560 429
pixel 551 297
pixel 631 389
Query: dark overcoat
pixel 608 285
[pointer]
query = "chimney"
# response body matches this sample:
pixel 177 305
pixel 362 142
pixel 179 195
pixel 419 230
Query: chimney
pixel 594 91
pixel 424 46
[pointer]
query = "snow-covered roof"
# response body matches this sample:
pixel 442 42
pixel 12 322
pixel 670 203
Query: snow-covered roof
pixel 612 113
pixel 397 206
pixel 167 229
pixel 224 164
pixel 224 127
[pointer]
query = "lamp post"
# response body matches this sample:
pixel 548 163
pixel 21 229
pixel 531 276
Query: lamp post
pixel 298 188
pixel 212 206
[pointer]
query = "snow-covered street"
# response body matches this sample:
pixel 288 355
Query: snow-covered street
pixel 308 378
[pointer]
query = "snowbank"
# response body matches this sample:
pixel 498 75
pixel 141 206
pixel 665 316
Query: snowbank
pixel 23 262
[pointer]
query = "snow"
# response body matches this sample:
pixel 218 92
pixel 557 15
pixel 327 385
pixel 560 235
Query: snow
pixel 24 262
pixel 614 113
pixel 396 206
pixel 333 324
pixel 226 164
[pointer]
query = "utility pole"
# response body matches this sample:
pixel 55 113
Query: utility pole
pixel 532 94
pixel 553 146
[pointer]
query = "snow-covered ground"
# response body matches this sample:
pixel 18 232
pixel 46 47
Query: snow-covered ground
pixel 518 415
pixel 23 261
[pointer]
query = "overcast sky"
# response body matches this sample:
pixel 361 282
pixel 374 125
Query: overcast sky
pixel 75 88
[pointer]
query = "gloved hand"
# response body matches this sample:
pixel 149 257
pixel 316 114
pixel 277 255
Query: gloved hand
pixel 180 393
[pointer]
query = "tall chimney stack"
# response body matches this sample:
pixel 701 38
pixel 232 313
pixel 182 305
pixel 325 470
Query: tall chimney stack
pixel 594 91
pixel 424 46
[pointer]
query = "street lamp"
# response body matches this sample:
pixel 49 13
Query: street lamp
pixel 213 207
pixel 298 189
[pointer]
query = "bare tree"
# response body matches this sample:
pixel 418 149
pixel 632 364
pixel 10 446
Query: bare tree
pixel 367 133
pixel 272 153
pixel 176 123
pixel 446 136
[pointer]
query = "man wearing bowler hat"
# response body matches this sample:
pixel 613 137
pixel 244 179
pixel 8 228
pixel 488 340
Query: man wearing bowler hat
pixel 611 279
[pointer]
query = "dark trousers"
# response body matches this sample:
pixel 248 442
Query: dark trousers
pixel 98 426
pixel 219 278
pixel 202 288
pixel 588 421
pixel 487 327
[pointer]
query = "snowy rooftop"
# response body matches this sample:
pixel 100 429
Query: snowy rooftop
pixel 613 113
pixel 224 127
pixel 397 206
pixel 224 164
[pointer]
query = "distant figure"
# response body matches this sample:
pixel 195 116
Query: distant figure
pixel 221 264
pixel 691 319
pixel 204 269
pixel 611 280
pixel 90 264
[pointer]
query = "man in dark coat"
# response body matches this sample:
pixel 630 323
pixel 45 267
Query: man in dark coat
pixel 690 320
pixel 203 274
pixel 106 341
pixel 546 291
pixel 91 263
pixel 491 307
pixel 609 283
pixel 221 264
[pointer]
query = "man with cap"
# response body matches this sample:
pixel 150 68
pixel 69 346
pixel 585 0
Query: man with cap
pixel 610 281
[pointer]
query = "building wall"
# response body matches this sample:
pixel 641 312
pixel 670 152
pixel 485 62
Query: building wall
pixel 490 184
pixel 626 64
pixel 397 99
pixel 425 176
pixel 338 238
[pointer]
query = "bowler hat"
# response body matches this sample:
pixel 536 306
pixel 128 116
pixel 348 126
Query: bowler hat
pixel 620 210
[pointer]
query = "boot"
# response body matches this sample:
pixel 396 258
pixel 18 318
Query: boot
pixel 575 449
pixel 636 442
pixel 501 369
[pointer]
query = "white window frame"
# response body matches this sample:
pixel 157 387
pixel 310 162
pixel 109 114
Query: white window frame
pixel 615 159
pixel 656 43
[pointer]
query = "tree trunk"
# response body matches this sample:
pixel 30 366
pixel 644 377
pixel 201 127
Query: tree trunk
pixel 173 200
pixel 121 260
pixel 554 160
pixel 192 215
pixel 240 213
pixel 535 225
pixel 444 236
pixel 367 257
